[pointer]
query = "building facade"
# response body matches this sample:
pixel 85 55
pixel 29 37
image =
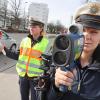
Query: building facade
pixel 3 12
pixel 92 1
pixel 39 11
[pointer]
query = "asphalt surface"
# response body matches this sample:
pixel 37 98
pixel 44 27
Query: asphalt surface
pixel 9 89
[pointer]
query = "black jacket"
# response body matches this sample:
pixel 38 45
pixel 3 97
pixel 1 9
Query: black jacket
pixel 89 79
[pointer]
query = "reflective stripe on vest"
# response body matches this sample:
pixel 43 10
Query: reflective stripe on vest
pixel 30 64
pixel 34 53
pixel 29 59
pixel 21 72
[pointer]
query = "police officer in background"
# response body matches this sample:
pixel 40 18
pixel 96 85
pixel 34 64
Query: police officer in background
pixel 87 68
pixel 29 58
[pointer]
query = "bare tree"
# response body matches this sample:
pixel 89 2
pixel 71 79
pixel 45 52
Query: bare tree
pixel 51 28
pixel 16 11
pixel 55 28
pixel 3 13
pixel 59 27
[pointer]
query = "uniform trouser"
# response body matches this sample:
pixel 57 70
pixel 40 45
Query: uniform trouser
pixel 27 85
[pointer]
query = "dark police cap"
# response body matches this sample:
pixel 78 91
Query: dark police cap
pixel 34 22
pixel 89 15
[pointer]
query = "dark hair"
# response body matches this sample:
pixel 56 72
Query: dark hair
pixel 96 54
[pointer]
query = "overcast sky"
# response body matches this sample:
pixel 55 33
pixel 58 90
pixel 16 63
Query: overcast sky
pixel 59 9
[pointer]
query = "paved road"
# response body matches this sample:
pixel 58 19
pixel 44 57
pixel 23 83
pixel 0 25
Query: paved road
pixel 9 89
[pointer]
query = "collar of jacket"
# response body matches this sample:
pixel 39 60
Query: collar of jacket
pixel 95 64
pixel 34 41
pixel 92 66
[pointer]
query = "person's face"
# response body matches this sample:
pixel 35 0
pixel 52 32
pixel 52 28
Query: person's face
pixel 92 39
pixel 35 30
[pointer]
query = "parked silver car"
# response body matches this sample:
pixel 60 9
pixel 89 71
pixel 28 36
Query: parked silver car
pixel 8 41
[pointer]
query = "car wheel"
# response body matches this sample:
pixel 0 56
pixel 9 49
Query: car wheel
pixel 13 47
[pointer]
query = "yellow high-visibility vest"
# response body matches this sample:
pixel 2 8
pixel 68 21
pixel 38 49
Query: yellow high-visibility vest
pixel 29 59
